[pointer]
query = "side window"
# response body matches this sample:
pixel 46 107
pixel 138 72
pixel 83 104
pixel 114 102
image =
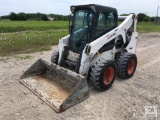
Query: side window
pixel 106 21
pixel 111 21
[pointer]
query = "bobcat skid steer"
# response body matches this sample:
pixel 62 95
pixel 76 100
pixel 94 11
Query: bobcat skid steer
pixel 97 49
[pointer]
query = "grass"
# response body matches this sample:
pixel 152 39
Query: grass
pixel 147 27
pixel 23 57
pixel 7 26
pixel 29 41
pixel 19 37
pixel 17 57
pixel 4 59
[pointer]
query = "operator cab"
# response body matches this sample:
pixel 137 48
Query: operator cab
pixel 89 22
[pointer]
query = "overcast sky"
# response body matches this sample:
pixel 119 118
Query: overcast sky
pixel 63 6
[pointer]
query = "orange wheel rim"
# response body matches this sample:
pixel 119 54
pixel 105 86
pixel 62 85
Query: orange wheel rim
pixel 108 75
pixel 131 66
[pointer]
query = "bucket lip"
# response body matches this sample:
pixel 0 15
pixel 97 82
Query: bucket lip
pixel 74 74
pixel 63 69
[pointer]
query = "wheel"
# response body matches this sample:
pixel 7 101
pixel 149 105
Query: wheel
pixel 54 57
pixel 102 74
pixel 126 65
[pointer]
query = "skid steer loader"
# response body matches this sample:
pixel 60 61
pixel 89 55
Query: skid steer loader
pixel 96 50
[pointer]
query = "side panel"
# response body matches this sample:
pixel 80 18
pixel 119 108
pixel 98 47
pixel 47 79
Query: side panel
pixel 88 61
pixel 63 42
pixel 85 63
pixel 105 55
pixel 120 30
pixel 131 48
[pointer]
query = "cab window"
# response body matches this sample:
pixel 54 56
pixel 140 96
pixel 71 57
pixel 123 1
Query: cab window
pixel 106 22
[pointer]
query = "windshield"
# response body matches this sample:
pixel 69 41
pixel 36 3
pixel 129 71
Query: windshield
pixel 81 26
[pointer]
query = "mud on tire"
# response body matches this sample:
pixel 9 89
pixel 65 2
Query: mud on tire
pixel 54 57
pixel 126 65
pixel 102 74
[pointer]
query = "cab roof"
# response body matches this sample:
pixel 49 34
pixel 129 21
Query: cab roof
pixel 94 7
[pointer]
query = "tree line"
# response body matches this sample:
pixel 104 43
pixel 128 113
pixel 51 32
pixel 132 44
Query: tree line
pixel 142 17
pixel 34 16
pixel 39 16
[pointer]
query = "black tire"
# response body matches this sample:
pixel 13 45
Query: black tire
pixel 102 74
pixel 126 65
pixel 55 56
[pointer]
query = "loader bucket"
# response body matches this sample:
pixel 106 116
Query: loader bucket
pixel 58 87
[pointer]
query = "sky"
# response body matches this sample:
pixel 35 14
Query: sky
pixel 148 7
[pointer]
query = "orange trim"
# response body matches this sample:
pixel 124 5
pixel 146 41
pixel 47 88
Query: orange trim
pixel 131 66
pixel 108 75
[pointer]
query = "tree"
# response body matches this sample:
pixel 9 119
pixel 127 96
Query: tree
pixel 34 16
pixel 13 16
pixel 152 19
pixel 5 17
pixel 146 19
pixel 141 17
pixel 45 18
pixel 22 16
pixel 124 14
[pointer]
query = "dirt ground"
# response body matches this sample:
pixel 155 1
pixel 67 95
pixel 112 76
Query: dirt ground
pixel 124 101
